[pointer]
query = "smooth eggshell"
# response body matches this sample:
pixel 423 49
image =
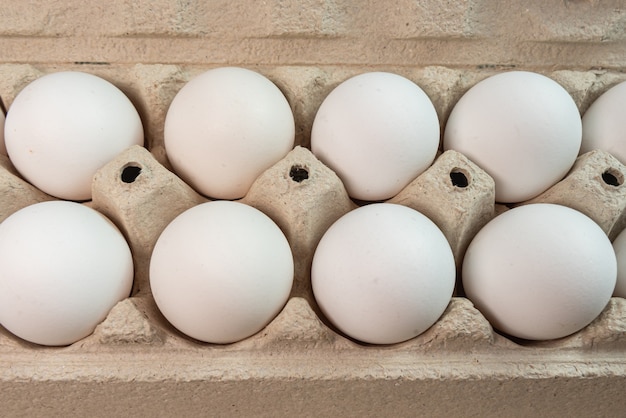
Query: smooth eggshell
pixel 378 131
pixel 63 266
pixel 540 271
pixel 383 273
pixel 221 271
pixel 224 128
pixel 604 123
pixel 64 126
pixel 522 128
pixel 619 245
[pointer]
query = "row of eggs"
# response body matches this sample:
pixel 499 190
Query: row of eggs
pixel 221 271
pixel 382 273
pixel 378 131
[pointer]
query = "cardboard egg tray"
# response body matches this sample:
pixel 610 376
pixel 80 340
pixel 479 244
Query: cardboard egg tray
pixel 135 362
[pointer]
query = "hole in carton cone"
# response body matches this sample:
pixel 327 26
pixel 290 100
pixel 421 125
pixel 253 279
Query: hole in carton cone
pixel 459 178
pixel 130 173
pixel 298 173
pixel 613 177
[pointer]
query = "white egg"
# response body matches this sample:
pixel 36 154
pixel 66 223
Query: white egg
pixel 224 128
pixel 63 266
pixel 619 245
pixel 383 273
pixel 540 271
pixel 378 131
pixel 221 271
pixel 604 123
pixel 522 128
pixel 64 126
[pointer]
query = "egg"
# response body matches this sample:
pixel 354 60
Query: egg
pixel 383 273
pixel 63 266
pixel 604 123
pixel 378 131
pixel 540 271
pixel 64 126
pixel 522 128
pixel 224 128
pixel 221 271
pixel 619 245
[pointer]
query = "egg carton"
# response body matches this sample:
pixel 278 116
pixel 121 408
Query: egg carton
pixel 299 363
